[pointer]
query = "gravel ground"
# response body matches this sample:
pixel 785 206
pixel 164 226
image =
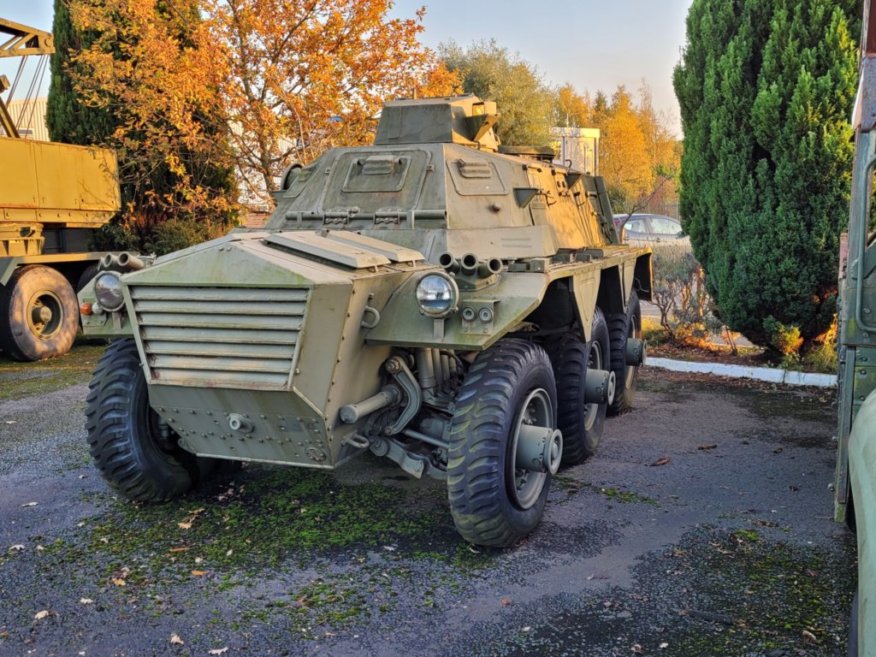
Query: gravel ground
pixel 702 527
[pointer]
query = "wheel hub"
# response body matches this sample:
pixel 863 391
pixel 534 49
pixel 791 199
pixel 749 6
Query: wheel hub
pixel 45 316
pixel 539 449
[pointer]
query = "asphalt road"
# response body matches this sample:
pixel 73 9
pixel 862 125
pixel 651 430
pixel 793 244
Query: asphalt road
pixel 702 527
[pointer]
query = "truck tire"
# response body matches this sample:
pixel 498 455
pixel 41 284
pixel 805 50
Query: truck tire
pixel 492 501
pixel 123 432
pixel 622 326
pixel 39 314
pixel 582 424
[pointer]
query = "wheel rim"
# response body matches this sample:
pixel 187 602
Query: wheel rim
pixel 630 370
pixel 45 315
pixel 594 360
pixel 525 486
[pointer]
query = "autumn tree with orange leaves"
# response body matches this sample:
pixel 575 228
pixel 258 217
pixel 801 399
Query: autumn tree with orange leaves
pixel 310 74
pixel 639 156
pixel 148 71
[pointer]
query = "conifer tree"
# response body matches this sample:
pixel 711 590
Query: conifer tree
pixel 765 89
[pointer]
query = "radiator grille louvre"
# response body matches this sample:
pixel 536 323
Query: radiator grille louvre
pixel 220 337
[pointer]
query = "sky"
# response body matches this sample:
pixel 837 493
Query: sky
pixel 593 44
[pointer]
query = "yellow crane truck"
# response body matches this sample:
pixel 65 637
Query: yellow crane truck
pixel 51 197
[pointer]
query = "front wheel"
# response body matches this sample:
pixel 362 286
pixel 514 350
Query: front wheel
pixel 135 451
pixel 504 444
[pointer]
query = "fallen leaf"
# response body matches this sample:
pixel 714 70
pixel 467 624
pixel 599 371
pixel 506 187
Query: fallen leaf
pixel 505 602
pixel 86 601
pixel 663 460
pixel 199 573
pixel 222 651
pixel 41 614
pixel 118 581
pixel 707 447
pixel 175 640
pixel 187 523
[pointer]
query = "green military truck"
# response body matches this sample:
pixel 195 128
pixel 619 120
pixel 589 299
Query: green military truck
pixel 855 485
pixel 460 308
pixel 51 197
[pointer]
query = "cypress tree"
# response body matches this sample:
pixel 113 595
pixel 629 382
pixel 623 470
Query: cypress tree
pixel 765 89
pixel 67 118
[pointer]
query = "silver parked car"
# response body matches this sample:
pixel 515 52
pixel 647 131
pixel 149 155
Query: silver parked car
pixel 650 229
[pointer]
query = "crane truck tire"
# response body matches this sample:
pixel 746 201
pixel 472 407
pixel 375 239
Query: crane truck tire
pixel 39 314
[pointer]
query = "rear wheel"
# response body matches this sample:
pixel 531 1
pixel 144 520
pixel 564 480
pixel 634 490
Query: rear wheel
pixel 135 451
pixel 582 423
pixel 39 315
pixel 505 415
pixel 621 327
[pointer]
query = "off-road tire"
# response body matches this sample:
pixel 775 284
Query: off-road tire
pixel 22 336
pixel 122 435
pixel 582 424
pixel 620 327
pixel 486 413
pixel 85 277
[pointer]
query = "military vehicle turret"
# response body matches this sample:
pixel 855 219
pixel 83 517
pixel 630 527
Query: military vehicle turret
pixel 463 309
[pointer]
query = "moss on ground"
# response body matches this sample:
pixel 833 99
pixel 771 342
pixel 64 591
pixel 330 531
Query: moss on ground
pixel 264 520
pixel 18 380
pixel 627 496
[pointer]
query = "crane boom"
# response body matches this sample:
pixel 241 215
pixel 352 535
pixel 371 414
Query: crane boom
pixel 24 40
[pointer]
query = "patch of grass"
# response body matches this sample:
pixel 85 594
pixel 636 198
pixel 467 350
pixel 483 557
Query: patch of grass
pixel 746 535
pixel 570 485
pixel 627 496
pixel 19 380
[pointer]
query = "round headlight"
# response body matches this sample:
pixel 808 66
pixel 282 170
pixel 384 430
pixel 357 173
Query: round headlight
pixel 108 290
pixel 437 295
